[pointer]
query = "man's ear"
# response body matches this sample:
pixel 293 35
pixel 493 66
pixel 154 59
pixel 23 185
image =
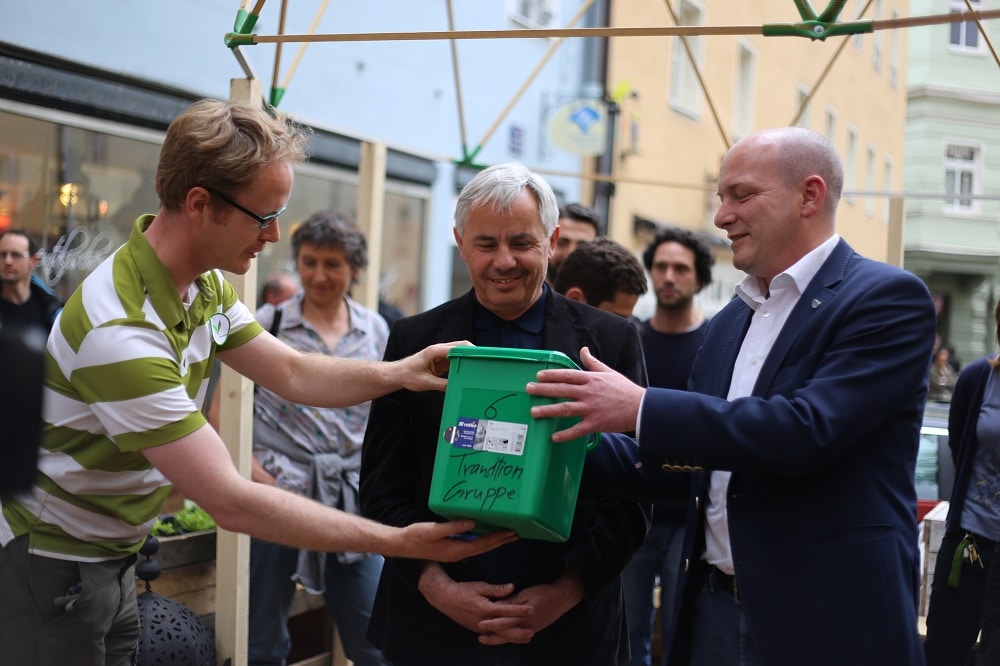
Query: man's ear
pixel 197 202
pixel 553 240
pixel 813 195
pixel 576 294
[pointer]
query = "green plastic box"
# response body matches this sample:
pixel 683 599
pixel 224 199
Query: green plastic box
pixel 495 463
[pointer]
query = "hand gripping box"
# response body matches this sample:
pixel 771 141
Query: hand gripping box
pixel 495 463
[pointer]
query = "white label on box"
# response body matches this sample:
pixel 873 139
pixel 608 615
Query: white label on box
pixel 501 437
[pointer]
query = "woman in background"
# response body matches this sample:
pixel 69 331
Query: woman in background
pixel 972 527
pixel 316 452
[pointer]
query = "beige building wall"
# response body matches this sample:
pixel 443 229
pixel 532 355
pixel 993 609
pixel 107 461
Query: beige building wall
pixel 668 147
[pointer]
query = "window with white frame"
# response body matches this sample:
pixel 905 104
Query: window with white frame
pixel 964 35
pixel 870 180
pixel 746 76
pixel 802 105
pixel 859 10
pixel 533 13
pixel 685 92
pixel 894 52
pixel 887 186
pixel 961 176
pixel 831 126
pixel 850 164
pixel 877 38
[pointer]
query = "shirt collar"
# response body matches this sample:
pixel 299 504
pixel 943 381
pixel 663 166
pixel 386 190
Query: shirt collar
pixel 292 313
pixel 798 275
pixel 531 321
pixel 160 286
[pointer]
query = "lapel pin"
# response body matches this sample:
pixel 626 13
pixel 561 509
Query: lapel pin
pixel 816 303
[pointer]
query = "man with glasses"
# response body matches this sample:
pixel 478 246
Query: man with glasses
pixel 127 369
pixel 25 300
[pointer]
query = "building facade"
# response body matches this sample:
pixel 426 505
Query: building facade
pixel 677 119
pixel 952 236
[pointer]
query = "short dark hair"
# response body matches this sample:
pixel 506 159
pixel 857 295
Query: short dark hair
pixel 703 257
pixel 581 213
pixel 601 268
pixel 32 245
pixel 329 229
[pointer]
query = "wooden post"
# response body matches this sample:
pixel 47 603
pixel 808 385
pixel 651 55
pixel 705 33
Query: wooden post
pixel 371 218
pixel 894 247
pixel 232 551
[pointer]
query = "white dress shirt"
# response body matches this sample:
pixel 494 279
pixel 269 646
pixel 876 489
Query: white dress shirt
pixel 771 310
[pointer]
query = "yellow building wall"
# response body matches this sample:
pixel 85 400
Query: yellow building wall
pixel 667 161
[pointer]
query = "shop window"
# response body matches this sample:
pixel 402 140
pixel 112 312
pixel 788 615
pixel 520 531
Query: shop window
pixel 78 185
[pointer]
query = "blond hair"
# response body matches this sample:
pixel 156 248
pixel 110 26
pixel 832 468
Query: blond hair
pixel 222 146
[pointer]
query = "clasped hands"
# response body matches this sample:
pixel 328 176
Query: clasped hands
pixel 496 612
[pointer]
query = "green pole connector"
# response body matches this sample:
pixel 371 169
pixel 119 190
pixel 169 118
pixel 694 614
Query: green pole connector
pixel 276 95
pixel 238 39
pixel 467 158
pixel 817 26
pixel 816 29
pixel 245 22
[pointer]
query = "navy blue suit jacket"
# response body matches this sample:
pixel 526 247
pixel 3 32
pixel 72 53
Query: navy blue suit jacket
pixel 821 503
pixel 397 464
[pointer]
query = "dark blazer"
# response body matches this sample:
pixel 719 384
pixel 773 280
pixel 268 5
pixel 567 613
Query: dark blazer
pixel 397 463
pixel 821 503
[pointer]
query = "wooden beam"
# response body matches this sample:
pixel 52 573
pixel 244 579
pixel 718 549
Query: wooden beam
pixel 371 218
pixel 232 550
pixel 894 249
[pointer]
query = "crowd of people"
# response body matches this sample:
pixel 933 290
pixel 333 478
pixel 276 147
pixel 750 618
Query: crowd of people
pixel 755 466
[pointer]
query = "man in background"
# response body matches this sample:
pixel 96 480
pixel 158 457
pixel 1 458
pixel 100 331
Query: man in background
pixel 25 300
pixel 680 266
pixel 604 274
pixel 27 309
pixel 278 288
pixel 577 224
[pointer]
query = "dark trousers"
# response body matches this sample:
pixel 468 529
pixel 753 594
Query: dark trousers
pixel 721 634
pixel 989 649
pixel 66 612
pixel 955 614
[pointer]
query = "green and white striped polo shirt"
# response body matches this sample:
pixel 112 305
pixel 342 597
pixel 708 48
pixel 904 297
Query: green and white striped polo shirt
pixel 127 368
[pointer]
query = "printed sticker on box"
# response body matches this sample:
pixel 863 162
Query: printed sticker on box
pixel 488 435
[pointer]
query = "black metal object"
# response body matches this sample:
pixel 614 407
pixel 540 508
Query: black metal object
pixel 171 633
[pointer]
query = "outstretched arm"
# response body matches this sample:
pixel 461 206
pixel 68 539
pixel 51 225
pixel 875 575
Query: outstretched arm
pixel 330 381
pixel 199 466
pixel 606 400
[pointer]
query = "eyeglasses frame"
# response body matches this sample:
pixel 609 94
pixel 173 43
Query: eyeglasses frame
pixel 263 221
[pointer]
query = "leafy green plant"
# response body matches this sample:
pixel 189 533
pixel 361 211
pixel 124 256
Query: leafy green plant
pixel 192 518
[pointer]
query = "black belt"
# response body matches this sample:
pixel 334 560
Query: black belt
pixel 723 582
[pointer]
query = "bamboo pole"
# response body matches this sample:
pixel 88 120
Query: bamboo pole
pixel 458 83
pixel 825 72
pixel 657 31
pixel 531 77
pixel 277 49
pixel 701 80
pixel 302 48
